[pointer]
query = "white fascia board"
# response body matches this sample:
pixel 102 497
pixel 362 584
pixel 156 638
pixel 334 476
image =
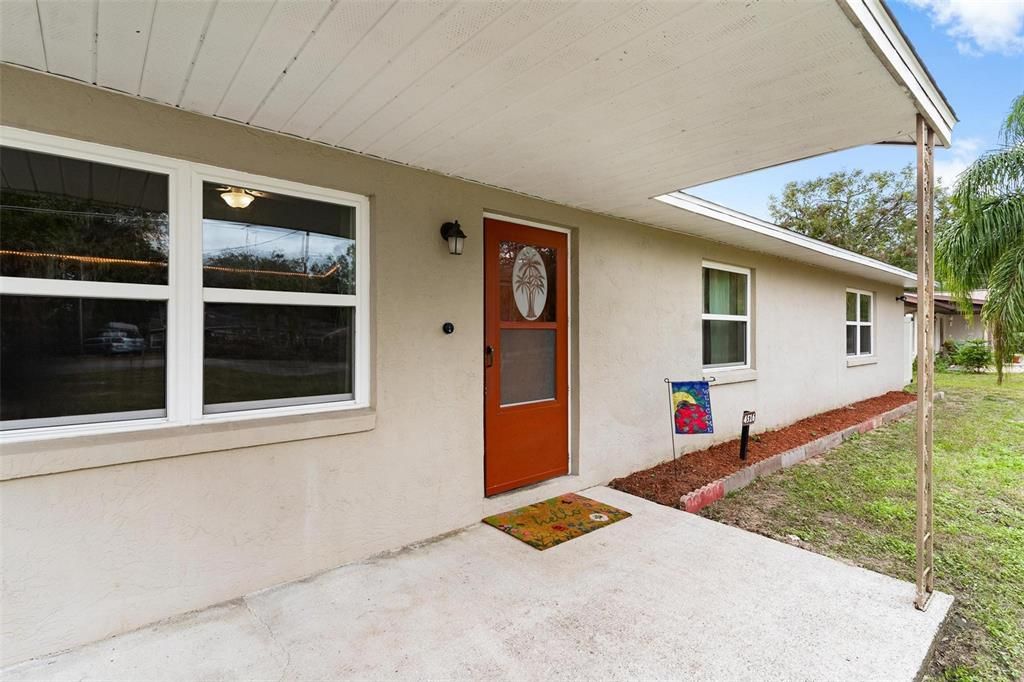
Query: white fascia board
pixel 709 209
pixel 888 42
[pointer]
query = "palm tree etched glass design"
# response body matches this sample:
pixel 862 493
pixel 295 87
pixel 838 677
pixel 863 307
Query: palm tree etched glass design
pixel 530 281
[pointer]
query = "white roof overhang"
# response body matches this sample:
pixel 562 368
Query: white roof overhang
pixel 598 104
pixel 718 223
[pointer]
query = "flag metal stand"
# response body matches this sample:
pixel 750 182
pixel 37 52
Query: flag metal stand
pixel 672 412
pixel 672 417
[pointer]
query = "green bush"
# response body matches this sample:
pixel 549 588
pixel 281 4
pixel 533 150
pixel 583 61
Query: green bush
pixel 974 355
pixel 1014 345
pixel 948 350
pixel 942 363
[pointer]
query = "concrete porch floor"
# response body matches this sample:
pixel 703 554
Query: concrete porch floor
pixel 664 594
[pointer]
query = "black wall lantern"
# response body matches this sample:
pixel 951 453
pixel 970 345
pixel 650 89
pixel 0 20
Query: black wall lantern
pixel 456 238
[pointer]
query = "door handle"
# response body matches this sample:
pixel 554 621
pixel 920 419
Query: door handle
pixel 489 356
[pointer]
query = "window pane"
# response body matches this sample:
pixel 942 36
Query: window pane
pixel 528 277
pixel 851 339
pixel 77 220
pixel 851 306
pixel 277 242
pixel 286 355
pixel 865 340
pixel 725 293
pixel 77 360
pixel 865 308
pixel 725 342
pixel 527 365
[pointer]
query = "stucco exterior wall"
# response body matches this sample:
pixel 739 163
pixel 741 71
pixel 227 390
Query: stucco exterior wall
pixel 96 551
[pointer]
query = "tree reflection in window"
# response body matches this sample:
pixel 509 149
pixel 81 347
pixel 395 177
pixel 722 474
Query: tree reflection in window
pixel 279 243
pixel 70 219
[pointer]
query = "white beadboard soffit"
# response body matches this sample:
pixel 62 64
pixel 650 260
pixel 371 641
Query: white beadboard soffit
pixel 595 104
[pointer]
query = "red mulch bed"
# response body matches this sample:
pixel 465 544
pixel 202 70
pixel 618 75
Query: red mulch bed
pixel 667 482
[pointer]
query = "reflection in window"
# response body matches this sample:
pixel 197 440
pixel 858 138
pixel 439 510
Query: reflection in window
pixel 528 360
pixel 859 325
pixel 724 342
pixel 725 293
pixel 76 360
pixel 276 242
pixel 725 317
pixel 71 219
pixel 272 355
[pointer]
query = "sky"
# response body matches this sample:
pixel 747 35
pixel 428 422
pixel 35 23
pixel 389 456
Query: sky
pixel 975 52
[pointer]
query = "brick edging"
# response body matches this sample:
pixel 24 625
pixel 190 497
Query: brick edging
pixel 716 490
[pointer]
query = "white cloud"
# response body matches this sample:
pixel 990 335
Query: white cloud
pixel 979 26
pixel 949 163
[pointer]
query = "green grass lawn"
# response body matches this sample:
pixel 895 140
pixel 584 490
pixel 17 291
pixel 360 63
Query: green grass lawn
pixel 856 504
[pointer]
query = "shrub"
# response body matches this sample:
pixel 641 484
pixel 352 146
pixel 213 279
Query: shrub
pixel 948 350
pixel 1014 346
pixel 974 355
pixel 942 363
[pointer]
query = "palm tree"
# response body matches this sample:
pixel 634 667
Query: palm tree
pixel 983 247
pixel 531 280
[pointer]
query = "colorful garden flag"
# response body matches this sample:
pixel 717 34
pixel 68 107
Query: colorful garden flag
pixel 691 407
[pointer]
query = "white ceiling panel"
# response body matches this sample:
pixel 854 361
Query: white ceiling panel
pixel 494 40
pixel 69 30
pixel 337 36
pixel 452 29
pixel 290 25
pixel 122 39
pixel 569 55
pixel 439 119
pixel 598 104
pixel 625 84
pixel 177 34
pixel 396 29
pixel 21 40
pixel 230 36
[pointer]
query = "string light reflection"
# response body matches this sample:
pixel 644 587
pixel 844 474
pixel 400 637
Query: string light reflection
pixel 100 260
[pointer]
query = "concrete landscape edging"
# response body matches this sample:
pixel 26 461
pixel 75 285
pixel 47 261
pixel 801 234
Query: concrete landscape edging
pixel 716 490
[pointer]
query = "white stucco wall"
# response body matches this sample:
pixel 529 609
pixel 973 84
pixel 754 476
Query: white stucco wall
pixel 95 551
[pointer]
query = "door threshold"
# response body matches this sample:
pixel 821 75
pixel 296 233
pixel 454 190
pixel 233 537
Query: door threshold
pixel 535 492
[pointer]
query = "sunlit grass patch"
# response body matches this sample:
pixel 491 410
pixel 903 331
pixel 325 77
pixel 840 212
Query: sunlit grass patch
pixel 857 503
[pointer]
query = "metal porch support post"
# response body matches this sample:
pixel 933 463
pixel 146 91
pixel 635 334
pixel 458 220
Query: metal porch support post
pixel 925 360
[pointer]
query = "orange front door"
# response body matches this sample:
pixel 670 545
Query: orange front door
pixel 526 358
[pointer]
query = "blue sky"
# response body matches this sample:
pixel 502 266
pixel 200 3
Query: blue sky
pixel 974 50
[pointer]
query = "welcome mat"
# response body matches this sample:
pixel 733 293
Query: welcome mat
pixel 552 522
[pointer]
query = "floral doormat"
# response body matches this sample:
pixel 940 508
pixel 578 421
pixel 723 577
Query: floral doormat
pixel 552 522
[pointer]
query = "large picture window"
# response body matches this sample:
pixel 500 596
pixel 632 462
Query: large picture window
pixel 725 321
pixel 137 290
pixel 859 322
pixel 83 305
pixel 279 286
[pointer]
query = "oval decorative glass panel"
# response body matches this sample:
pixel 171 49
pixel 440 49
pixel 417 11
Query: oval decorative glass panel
pixel 529 283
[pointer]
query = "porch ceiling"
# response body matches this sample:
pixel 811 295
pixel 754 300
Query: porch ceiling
pixel 599 104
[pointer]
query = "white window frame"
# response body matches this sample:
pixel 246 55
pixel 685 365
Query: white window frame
pixel 858 323
pixel 184 292
pixel 712 265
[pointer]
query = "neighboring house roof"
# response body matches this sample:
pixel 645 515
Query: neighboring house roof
pixel 718 223
pixel 598 106
pixel 947 303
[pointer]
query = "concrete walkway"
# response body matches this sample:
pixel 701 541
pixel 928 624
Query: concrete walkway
pixel 664 594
